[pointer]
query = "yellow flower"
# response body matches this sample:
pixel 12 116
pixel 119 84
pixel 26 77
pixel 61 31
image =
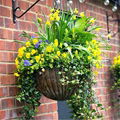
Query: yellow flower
pixel 76 11
pixel 28 44
pixel 33 52
pixel 31 61
pixel 35 41
pixel 97 29
pixel 39 20
pixel 57 18
pixel 94 41
pixel 58 53
pixel 49 49
pixel 16 61
pixel 48 23
pixel 57 11
pixel 61 45
pixel 51 18
pixel 109 36
pixel 64 55
pixel 37 58
pixel 74 17
pixel 52 10
pixel 89 58
pixel 56 42
pixel 82 14
pixel 95 72
pixel 27 55
pixel 16 74
pixel 97 65
pixel 92 20
pixel 20 54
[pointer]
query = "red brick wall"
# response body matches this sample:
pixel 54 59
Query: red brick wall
pixel 9 107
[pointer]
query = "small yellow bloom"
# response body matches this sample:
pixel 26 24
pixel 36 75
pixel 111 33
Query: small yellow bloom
pixel 94 41
pixel 33 52
pixel 74 17
pixel 89 58
pixel 61 45
pixel 27 55
pixel 58 11
pixel 28 44
pixel 92 20
pixel 97 65
pixel 52 18
pixel 16 61
pixel 52 10
pixel 56 42
pixel 20 54
pixel 76 11
pixel 97 29
pixel 49 49
pixel 95 72
pixel 82 14
pixel 39 20
pixel 16 74
pixel 64 55
pixel 58 53
pixel 35 41
pixel 37 58
pixel 109 36
pixel 57 18
pixel 48 23
pixel 31 61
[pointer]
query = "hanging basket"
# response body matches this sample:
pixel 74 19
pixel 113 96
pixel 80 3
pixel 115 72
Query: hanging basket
pixel 50 86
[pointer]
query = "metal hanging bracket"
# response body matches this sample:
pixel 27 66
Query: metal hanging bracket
pixel 14 9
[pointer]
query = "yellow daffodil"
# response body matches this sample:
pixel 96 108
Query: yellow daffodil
pixel 16 61
pixel 97 65
pixel 56 42
pixel 27 55
pixel 58 53
pixel 52 18
pixel 52 10
pixel 48 23
pixel 57 18
pixel 92 20
pixel 76 11
pixel 37 58
pixel 31 61
pixel 28 44
pixel 49 48
pixel 33 52
pixel 35 41
pixel 16 74
pixel 82 14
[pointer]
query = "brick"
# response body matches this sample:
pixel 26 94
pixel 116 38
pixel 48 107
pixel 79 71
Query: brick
pixel 3 91
pixel 7 103
pixel 2 45
pixel 7 57
pixel 12 46
pixel 1 22
pixel 5 34
pixel 30 17
pixel 13 91
pixel 7 3
pixel 3 68
pixel 25 26
pixel 4 11
pixel 7 79
pixel 2 114
pixel 23 4
pixel 11 68
pixel 9 23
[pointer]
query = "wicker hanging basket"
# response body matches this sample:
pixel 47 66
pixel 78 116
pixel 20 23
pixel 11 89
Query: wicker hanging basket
pixel 50 86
